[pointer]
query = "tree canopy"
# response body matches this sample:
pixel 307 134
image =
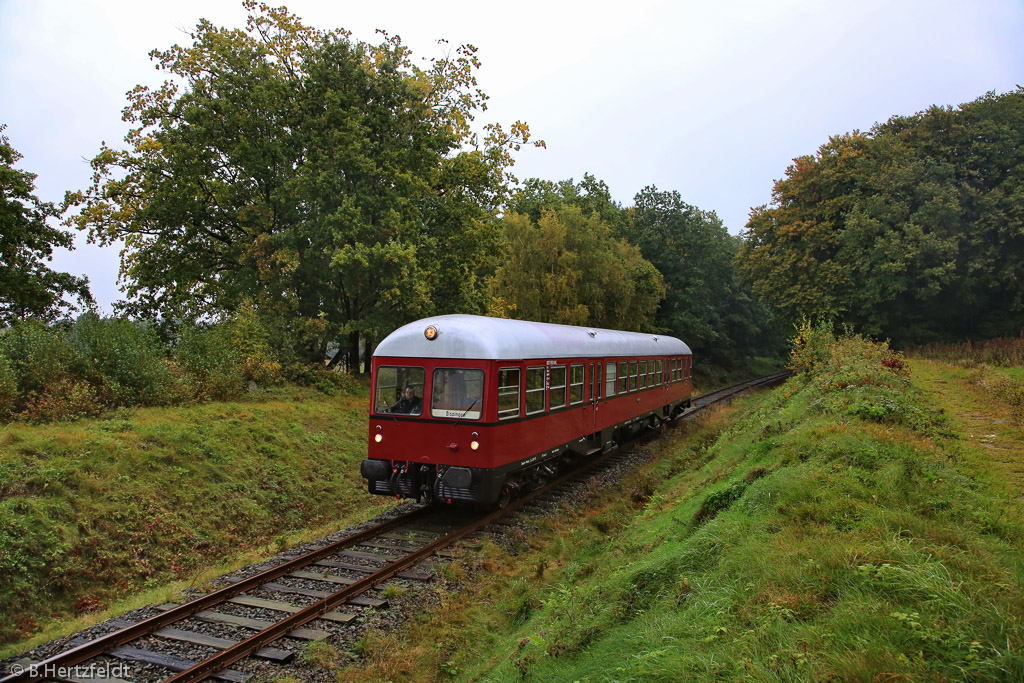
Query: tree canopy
pixel 678 263
pixel 591 195
pixel 330 183
pixel 568 268
pixel 28 287
pixel 913 231
pixel 705 303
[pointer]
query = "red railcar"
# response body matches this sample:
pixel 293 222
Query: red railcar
pixel 472 408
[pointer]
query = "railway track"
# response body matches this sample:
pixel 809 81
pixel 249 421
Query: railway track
pixel 712 397
pixel 328 582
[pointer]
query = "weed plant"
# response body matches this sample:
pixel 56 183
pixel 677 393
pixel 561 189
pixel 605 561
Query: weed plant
pixel 1004 351
pixel 321 655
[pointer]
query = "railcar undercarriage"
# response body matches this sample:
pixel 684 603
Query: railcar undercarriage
pixel 447 484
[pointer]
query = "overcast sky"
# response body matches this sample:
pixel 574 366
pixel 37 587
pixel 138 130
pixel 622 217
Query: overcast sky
pixel 713 99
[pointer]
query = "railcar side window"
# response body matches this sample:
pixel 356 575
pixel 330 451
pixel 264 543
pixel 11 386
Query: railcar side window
pixel 609 380
pixel 623 377
pixel 632 375
pixel 534 390
pixel 643 375
pixel 392 385
pixel 650 373
pixel 659 374
pixel 556 398
pixel 576 384
pixel 508 393
pixel 457 393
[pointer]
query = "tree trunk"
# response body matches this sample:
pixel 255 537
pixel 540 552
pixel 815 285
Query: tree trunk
pixel 367 353
pixel 353 352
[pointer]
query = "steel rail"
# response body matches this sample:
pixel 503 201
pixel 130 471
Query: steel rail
pixel 726 392
pixel 100 645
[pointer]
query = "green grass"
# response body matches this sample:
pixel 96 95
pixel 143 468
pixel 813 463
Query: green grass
pixel 836 529
pixel 98 511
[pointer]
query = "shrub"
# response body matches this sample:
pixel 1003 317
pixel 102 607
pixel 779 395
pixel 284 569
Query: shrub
pixel 811 346
pixel 214 363
pixel 66 398
pixel 126 358
pixel 8 388
pixel 858 377
pixel 254 338
pixel 40 356
pixel 333 382
pixel 839 361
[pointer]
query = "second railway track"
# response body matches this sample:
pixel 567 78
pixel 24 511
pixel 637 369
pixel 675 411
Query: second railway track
pixel 325 586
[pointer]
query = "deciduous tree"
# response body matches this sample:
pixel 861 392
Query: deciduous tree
pixel 569 268
pixel 705 304
pixel 28 287
pixel 331 183
pixel 913 231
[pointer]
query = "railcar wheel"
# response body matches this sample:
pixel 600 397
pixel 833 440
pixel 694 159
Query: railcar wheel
pixel 505 498
pixel 508 492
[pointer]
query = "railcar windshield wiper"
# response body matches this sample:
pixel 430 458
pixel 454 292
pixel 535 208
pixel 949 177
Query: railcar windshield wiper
pixel 471 406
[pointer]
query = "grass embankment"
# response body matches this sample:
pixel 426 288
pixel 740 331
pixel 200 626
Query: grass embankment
pixel 97 510
pixel 842 527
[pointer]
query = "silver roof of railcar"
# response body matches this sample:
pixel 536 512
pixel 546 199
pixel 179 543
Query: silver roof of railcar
pixel 481 338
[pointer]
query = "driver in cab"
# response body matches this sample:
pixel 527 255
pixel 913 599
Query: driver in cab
pixel 409 404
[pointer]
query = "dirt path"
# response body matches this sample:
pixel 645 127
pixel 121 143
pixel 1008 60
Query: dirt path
pixel 993 443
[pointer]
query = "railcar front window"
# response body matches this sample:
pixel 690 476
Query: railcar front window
pixel 399 391
pixel 557 391
pixel 457 393
pixel 534 390
pixel 508 393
